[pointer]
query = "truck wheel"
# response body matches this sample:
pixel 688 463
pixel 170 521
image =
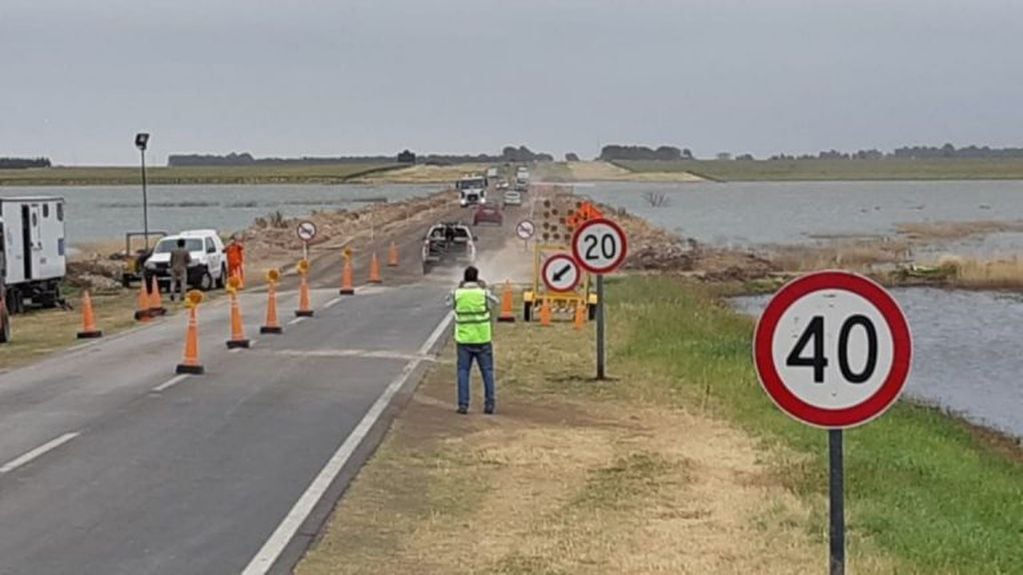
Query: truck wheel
pixel 15 304
pixel 222 280
pixel 206 281
pixel 5 327
pixel 527 311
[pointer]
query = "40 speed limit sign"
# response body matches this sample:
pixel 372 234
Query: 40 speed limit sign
pixel 833 349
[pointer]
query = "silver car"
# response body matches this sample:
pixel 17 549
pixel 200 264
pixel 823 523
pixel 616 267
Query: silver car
pixel 513 198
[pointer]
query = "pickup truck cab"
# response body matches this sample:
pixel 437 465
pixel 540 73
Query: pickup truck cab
pixel 448 243
pixel 208 268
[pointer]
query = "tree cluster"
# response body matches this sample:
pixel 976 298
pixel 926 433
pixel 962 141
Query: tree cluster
pixel 508 154
pixel 613 152
pixel 22 163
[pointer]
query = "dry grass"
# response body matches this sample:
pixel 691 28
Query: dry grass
pixel 854 255
pixel 597 171
pixel 935 231
pixel 572 476
pixel 423 174
pixel 994 274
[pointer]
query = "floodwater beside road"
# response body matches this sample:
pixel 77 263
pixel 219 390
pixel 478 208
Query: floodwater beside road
pixel 745 214
pixel 106 212
pixel 966 354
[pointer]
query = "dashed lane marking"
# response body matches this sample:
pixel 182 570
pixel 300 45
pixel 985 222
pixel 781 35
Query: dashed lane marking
pixel 30 456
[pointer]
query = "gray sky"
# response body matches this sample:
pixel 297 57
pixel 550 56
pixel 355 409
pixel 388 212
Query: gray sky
pixel 320 77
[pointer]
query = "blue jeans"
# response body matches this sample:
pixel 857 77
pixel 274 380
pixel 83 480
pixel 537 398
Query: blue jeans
pixel 483 353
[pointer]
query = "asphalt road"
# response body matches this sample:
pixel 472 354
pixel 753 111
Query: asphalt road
pixel 111 464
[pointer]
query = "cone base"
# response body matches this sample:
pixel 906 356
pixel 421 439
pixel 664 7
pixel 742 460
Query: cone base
pixel 184 368
pixel 375 281
pixel 90 334
pixel 238 344
pixel 303 313
pixel 143 316
pixel 392 265
pixel 271 329
pixel 347 291
pixel 510 319
pixel 157 311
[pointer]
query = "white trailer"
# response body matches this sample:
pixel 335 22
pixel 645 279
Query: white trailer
pixel 33 256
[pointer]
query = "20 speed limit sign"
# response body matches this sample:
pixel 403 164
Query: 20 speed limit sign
pixel 833 349
pixel 599 246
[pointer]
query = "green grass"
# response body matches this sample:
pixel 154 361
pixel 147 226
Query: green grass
pixel 927 488
pixel 795 170
pixel 115 176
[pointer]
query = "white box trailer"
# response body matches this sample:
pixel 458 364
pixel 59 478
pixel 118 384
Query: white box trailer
pixel 33 257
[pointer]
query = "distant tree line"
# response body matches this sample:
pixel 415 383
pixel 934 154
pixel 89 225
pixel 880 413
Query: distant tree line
pixel 22 163
pixel 508 154
pixel 910 153
pixel 613 152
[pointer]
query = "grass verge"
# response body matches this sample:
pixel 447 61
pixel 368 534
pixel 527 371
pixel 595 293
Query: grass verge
pixel 680 465
pixel 117 175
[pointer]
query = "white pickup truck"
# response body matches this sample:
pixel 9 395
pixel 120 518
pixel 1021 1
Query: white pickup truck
pixel 208 269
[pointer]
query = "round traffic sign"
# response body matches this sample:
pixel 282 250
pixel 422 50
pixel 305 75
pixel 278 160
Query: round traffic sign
pixel 833 349
pixel 525 229
pixel 306 231
pixel 599 246
pixel 560 273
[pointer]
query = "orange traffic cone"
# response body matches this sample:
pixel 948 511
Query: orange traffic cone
pixel 392 256
pixel 545 312
pixel 580 315
pixel 238 339
pixel 155 301
pixel 507 314
pixel 346 279
pixel 142 304
pixel 89 330
pixel 190 364
pixel 271 325
pixel 374 270
pixel 304 310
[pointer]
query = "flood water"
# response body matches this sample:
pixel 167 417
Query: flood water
pixel 753 213
pixel 966 352
pixel 107 212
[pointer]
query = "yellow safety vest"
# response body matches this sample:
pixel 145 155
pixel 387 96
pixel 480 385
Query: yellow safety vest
pixel 472 316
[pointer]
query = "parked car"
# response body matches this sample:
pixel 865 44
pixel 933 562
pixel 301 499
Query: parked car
pixel 513 198
pixel 208 269
pixel 488 214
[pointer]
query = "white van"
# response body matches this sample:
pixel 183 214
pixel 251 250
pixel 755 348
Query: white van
pixel 209 267
pixel 33 260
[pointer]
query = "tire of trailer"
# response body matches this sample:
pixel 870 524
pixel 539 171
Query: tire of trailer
pixel 527 311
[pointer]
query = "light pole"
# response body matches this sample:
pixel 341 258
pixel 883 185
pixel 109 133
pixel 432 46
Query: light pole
pixel 141 139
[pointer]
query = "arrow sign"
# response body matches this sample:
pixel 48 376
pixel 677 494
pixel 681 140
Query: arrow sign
pixel 561 273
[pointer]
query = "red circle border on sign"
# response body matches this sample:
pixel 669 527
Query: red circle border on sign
pixel 617 262
pixel 568 258
pixel 870 408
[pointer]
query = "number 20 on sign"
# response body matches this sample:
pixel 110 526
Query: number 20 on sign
pixel 833 350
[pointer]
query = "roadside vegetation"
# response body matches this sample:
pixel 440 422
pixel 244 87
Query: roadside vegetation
pixel 838 169
pixel 679 464
pixel 263 174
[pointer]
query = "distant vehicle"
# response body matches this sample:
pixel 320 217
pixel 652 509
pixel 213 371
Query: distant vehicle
pixel 492 173
pixel 32 251
pixel 472 190
pixel 521 178
pixel 135 254
pixel 513 198
pixel 448 243
pixel 488 214
pixel 208 269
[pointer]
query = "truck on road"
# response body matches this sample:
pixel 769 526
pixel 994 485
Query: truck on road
pixel 32 252
pixel 448 243
pixel 472 190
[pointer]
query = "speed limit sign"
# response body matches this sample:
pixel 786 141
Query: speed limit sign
pixel 833 349
pixel 599 246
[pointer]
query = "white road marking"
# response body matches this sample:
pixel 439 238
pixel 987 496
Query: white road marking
pixel 331 303
pixel 376 354
pixel 299 319
pixel 285 532
pixel 37 452
pixel 171 382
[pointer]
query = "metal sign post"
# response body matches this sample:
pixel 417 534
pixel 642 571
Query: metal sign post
pixel 599 246
pixel 833 350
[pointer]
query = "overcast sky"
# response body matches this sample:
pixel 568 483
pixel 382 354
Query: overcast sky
pixel 332 77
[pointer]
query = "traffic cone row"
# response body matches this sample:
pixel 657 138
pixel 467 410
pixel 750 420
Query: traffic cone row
pixel 155 301
pixel 89 330
pixel 374 270
pixel 272 326
pixel 392 256
pixel 238 339
pixel 507 301
pixel 347 288
pixel 545 312
pixel 304 309
pixel 190 363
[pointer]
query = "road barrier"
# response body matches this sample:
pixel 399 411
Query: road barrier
pixel 304 308
pixel 271 326
pixel 392 256
pixel 190 363
pixel 374 270
pixel 89 330
pixel 507 302
pixel 155 301
pixel 238 339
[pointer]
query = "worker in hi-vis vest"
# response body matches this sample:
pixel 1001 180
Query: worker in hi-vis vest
pixel 473 334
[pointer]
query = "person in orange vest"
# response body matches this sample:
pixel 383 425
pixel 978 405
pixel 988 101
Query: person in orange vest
pixel 235 259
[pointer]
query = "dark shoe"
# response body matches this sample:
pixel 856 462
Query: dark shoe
pixel 463 410
pixel 489 410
